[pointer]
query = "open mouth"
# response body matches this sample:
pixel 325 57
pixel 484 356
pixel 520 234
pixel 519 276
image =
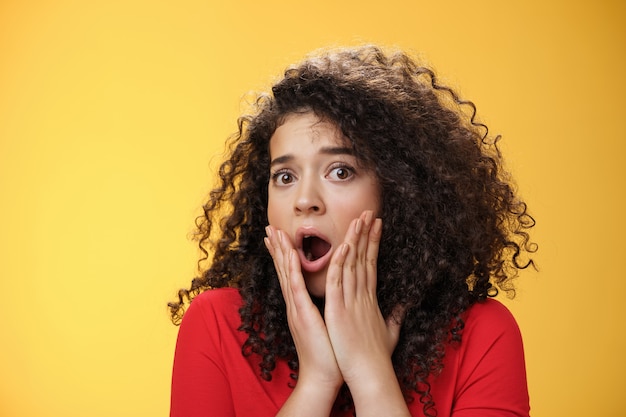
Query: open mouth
pixel 314 247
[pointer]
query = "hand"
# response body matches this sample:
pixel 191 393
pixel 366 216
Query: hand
pixel 354 342
pixel 362 340
pixel 317 365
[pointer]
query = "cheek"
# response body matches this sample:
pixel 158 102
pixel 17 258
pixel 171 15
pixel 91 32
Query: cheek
pixel 350 207
pixel 270 212
pixel 274 210
pixel 376 200
pixel 367 199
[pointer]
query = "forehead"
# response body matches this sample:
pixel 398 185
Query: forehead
pixel 301 129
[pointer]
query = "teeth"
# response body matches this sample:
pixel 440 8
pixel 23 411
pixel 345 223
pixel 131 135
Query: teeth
pixel 306 247
pixel 307 254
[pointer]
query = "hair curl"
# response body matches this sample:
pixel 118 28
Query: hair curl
pixel 455 230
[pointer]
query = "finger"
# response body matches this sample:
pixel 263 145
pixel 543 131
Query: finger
pixel 362 252
pixel 275 256
pixel 299 293
pixel 269 246
pixel 334 277
pixel 371 256
pixel 349 270
pixel 354 269
pixel 276 252
pixel 281 261
pixel 272 247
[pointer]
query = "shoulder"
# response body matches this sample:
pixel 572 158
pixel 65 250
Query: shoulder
pixel 486 371
pixel 218 297
pixel 490 315
pixel 219 305
pixel 490 333
pixel 208 353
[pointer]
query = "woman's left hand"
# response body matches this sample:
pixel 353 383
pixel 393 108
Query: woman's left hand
pixel 362 340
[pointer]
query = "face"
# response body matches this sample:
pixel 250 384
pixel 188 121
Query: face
pixel 317 187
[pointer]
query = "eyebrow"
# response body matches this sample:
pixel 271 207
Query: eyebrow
pixel 329 150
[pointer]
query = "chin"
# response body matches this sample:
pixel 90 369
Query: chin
pixel 316 284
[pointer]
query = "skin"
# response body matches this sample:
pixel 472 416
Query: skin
pixel 352 342
pixel 316 188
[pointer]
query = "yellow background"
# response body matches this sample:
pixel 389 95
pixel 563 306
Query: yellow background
pixel 110 112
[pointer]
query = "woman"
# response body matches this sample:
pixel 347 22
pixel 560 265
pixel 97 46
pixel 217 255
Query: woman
pixel 362 224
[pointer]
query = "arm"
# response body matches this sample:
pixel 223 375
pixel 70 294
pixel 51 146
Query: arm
pixel 491 378
pixel 199 385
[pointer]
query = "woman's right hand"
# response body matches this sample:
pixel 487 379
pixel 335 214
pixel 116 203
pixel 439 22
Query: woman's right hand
pixel 319 377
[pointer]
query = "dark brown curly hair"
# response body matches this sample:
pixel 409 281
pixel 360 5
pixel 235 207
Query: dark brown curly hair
pixel 454 229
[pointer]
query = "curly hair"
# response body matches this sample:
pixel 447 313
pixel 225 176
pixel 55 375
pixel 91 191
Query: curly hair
pixel 455 230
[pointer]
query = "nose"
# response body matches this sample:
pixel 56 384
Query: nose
pixel 309 199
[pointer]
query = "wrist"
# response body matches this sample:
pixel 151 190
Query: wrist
pixel 310 399
pixel 378 391
pixel 320 386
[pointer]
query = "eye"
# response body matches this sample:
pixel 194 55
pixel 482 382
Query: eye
pixel 341 173
pixel 282 177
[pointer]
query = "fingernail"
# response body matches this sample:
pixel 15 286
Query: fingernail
pixel 378 225
pixel 268 231
pixel 359 226
pixel 344 249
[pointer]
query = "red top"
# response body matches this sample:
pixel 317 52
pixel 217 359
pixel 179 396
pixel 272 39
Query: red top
pixel 485 376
